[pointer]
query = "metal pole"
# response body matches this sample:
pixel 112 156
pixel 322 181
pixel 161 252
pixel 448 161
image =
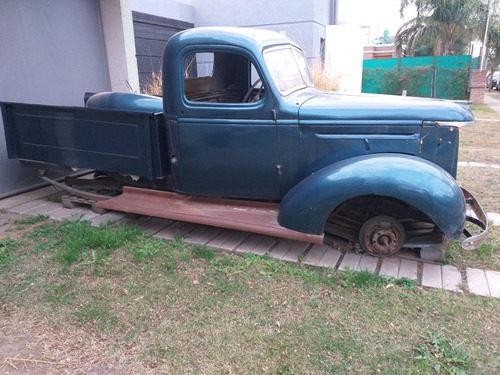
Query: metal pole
pixel 485 40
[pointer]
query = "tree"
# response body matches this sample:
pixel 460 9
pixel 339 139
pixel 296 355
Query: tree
pixel 493 41
pixel 441 27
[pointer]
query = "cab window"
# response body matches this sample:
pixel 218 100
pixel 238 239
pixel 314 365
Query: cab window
pixel 221 77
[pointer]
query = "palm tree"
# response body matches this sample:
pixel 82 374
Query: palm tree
pixel 441 27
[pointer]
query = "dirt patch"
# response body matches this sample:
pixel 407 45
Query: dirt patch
pixel 24 354
pixel 19 355
pixel 7 220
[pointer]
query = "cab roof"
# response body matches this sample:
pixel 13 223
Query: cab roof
pixel 250 38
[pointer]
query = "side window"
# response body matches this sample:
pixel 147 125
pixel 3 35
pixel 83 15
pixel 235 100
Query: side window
pixel 221 77
pixel 199 65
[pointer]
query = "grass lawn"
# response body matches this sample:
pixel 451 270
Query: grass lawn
pixel 75 299
pixel 113 299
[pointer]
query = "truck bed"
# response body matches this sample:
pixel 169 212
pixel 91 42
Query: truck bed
pixel 116 141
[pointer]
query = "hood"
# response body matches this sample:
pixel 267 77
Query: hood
pixel 368 107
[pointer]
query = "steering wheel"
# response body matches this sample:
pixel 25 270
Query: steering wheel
pixel 248 95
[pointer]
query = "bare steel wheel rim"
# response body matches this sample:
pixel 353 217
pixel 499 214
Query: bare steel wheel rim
pixel 382 235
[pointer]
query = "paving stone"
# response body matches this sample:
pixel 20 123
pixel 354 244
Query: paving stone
pixel 452 279
pixel 265 245
pixel 350 260
pixel 44 209
pixel 28 206
pixel 257 244
pixel 493 278
pixel 293 254
pixel 315 254
pixel 202 234
pixel 494 217
pixel 408 269
pixel 249 243
pixel 484 283
pixel 19 199
pixel 330 258
pixel 132 219
pixel 431 275
pixel 390 267
pixel 176 230
pixel 88 215
pixel 228 239
pixel 281 248
pixel 65 213
pixel 107 217
pixel 367 263
pixel 477 282
pixel 155 225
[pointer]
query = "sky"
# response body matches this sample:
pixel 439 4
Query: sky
pixel 379 15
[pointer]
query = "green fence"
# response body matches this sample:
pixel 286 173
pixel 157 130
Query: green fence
pixel 445 77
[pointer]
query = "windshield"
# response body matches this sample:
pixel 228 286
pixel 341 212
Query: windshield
pixel 288 69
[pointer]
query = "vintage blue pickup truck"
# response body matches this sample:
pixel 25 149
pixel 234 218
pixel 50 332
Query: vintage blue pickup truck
pixel 242 139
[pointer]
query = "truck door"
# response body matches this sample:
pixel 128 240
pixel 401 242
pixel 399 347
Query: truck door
pixel 225 142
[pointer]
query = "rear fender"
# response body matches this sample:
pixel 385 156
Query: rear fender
pixel 410 179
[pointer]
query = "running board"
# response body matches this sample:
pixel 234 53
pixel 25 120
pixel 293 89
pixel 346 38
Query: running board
pixel 248 216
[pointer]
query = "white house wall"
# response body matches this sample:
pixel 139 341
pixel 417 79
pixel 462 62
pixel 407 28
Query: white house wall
pixel 118 30
pixel 344 56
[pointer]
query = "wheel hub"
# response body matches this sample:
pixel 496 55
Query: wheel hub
pixel 382 235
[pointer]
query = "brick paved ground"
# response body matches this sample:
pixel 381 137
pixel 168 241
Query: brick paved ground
pixel 479 282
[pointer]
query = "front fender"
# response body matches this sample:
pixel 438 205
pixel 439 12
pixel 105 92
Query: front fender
pixel 418 182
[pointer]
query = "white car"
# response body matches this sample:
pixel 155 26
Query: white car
pixel 494 79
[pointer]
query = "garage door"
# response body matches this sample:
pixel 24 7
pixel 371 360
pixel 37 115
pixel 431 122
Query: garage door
pixel 151 34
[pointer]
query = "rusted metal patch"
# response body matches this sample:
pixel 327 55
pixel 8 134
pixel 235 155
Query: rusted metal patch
pixel 250 216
